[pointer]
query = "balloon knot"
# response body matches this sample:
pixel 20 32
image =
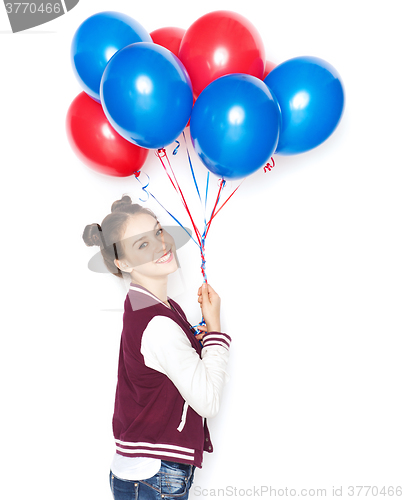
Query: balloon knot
pixel 161 153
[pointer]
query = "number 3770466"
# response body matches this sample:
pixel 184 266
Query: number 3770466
pixel 32 8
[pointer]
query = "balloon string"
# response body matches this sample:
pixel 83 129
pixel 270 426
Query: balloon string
pixel 144 188
pixel 221 187
pixel 269 166
pixel 178 185
pixel 224 203
pixel 161 154
pixel 207 186
pixel 192 169
pixel 195 328
pixel 202 239
pixel 176 149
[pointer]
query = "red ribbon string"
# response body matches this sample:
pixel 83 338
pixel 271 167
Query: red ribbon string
pixel 224 203
pixel 161 153
pixel 221 186
pixel 269 166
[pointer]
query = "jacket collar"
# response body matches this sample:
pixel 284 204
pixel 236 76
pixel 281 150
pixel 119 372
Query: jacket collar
pixel 140 297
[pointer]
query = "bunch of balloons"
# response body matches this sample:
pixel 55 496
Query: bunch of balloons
pixel 140 90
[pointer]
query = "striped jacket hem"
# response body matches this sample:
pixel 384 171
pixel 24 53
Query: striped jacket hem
pixel 154 450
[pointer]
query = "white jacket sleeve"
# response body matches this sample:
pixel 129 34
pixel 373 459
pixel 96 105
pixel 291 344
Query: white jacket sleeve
pixel 166 348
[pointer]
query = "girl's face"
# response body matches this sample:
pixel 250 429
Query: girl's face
pixel 148 249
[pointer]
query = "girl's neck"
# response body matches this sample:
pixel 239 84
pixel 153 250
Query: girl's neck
pixel 157 287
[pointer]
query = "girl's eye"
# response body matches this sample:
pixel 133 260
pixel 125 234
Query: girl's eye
pixel 143 245
pixel 159 232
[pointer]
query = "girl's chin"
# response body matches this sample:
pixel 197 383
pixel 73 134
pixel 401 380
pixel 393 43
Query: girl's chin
pixel 172 267
pixel 165 269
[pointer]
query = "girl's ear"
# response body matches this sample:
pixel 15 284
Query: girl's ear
pixel 123 266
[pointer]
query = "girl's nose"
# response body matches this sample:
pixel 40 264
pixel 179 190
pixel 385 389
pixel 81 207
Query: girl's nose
pixel 162 242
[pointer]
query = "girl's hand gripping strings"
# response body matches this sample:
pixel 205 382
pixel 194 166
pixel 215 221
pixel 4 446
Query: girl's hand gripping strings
pixel 209 302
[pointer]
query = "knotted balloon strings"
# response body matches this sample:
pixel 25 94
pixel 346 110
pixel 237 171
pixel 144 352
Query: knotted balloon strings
pixel 165 161
pixel 162 155
pixel 200 237
pixel 203 236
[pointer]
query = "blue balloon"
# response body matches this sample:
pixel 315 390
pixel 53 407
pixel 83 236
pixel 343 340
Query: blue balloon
pixel 96 40
pixel 146 95
pixel 235 125
pixel 311 98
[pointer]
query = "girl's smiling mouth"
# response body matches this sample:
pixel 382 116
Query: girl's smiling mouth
pixel 167 257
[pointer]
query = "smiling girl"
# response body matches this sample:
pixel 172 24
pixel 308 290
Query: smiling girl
pixel 168 384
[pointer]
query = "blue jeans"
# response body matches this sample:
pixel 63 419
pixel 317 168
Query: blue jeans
pixel 172 481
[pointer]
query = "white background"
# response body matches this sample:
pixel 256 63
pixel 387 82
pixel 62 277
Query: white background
pixel 308 260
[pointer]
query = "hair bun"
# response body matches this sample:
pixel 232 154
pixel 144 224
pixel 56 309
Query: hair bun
pixel 92 235
pixel 122 204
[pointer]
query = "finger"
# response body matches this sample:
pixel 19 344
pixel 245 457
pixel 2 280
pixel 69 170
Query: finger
pixel 205 293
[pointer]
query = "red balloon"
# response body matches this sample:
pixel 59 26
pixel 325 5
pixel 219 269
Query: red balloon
pixel 97 143
pixel 170 38
pixel 220 43
pixel 269 66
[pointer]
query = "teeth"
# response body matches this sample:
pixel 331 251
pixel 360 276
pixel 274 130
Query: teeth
pixel 164 258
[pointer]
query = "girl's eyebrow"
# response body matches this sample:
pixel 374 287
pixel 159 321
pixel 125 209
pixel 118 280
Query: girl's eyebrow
pixel 143 237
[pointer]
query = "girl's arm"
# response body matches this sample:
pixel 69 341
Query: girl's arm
pixel 167 349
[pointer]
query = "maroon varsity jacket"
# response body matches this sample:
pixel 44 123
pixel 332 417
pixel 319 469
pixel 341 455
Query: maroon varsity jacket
pixel 151 417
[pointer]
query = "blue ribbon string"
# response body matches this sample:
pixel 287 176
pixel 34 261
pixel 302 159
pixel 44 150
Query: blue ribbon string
pixel 207 186
pixel 192 169
pixel 195 328
pixel 202 246
pixel 144 188
pixel 204 206
pixel 176 149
